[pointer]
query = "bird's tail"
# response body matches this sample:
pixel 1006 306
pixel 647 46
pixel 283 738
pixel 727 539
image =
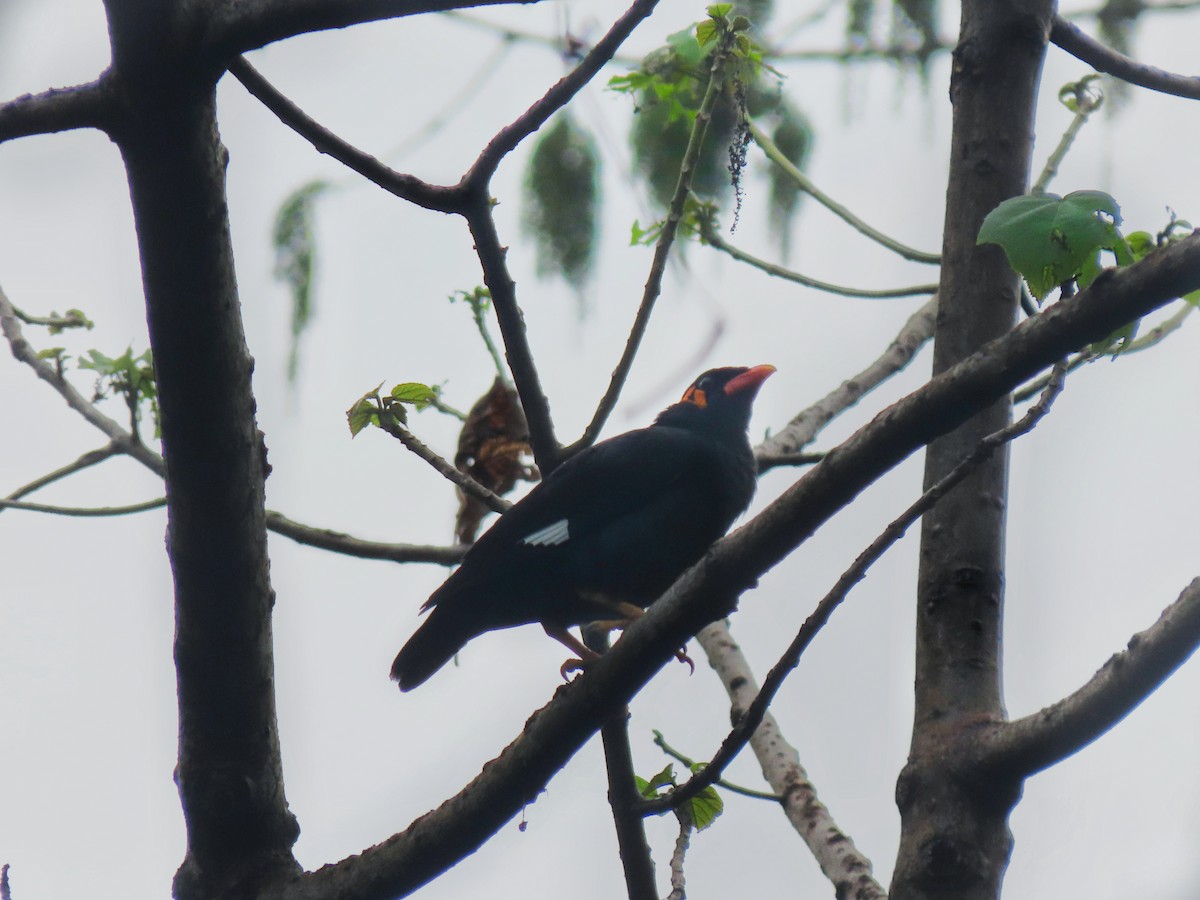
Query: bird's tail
pixel 430 648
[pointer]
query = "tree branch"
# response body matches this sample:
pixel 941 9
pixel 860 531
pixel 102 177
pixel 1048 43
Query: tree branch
pixel 623 797
pixel 662 247
pixel 1070 38
pixel 714 239
pixel 846 867
pixel 462 480
pixel 127 442
pixel 1028 745
pixel 122 441
pixel 437 198
pixel 709 590
pixel 87 460
pixel 337 542
pixel 803 428
pixel 236 26
pixel 59 109
pixel 507 139
pixel 492 255
pixel 82 511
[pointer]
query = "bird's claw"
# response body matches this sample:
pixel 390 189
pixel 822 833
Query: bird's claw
pixel 570 666
pixel 682 656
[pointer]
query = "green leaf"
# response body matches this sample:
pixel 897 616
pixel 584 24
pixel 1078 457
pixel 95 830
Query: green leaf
pixel 364 411
pixel 415 393
pixel 649 789
pixel 707 32
pixel 705 807
pixel 1049 239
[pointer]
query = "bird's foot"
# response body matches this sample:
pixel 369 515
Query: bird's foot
pixel 682 656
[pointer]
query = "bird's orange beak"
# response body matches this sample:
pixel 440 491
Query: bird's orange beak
pixel 751 379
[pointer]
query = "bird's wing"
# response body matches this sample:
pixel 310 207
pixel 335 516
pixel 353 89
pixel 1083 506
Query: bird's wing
pixel 594 491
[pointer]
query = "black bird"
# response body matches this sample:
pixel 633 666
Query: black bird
pixel 606 532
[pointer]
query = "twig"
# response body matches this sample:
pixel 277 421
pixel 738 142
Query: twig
pixel 1152 337
pixel 73 319
pixel 91 458
pixel 559 95
pixel 802 181
pixel 464 481
pixel 127 442
pixel 662 247
pixel 1104 59
pixel 124 442
pixel 97 512
pixel 337 542
pixel 1088 98
pixel 492 254
pixel 712 236
pixel 801 430
pixel 1056 732
pixel 744 728
pixel 407 187
pixel 682 843
pixel 720 782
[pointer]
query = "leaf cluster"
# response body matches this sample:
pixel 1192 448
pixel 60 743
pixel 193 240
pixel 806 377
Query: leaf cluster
pixel 1054 241
pixel 668 89
pixel 127 376
pixel 701 811
pixel 389 410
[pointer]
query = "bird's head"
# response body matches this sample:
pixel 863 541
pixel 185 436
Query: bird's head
pixel 720 399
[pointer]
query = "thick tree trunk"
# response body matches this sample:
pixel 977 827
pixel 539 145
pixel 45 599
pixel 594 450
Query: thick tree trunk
pixel 955 838
pixel 229 774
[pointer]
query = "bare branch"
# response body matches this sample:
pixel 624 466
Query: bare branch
pixel 713 238
pixel 835 852
pixel 1069 37
pixel 805 184
pixel 662 248
pixel 235 26
pixel 559 95
pixel 84 511
pixel 87 460
pixel 670 751
pixel 1036 742
pixel 492 255
pixel 465 482
pixel 337 542
pixel 122 441
pixel 407 187
pixel 803 428
pixel 127 442
pixel 59 109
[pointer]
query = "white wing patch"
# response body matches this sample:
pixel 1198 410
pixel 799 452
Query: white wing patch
pixel 550 536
